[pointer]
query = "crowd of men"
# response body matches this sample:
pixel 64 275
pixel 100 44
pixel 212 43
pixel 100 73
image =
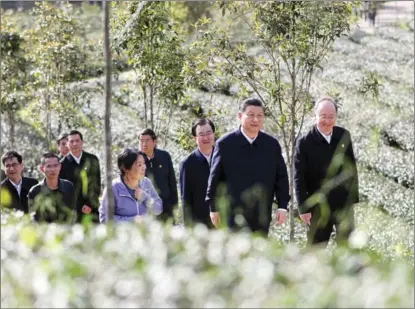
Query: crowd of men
pixel 232 181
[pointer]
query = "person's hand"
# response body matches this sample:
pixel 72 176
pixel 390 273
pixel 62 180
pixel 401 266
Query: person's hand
pixel 138 193
pixel 86 209
pixel 281 216
pixel 215 217
pixel 306 218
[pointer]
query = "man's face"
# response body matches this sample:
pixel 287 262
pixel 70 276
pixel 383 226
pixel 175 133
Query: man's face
pixel 63 146
pixel 252 119
pixel 147 144
pixel 326 117
pixel 75 144
pixel 205 137
pixel 51 168
pixel 13 168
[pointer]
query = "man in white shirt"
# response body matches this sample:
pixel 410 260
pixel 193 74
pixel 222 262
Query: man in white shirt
pixel 83 170
pixel 15 187
pixel 194 174
pixel 325 176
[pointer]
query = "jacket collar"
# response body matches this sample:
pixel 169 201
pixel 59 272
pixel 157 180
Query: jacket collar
pixel 121 187
pixel 201 157
pixel 6 182
pixel 242 141
pixel 336 135
pixel 71 159
pixel 61 185
pixel 155 155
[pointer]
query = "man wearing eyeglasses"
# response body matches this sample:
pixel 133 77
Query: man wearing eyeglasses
pixel 159 169
pixel 52 200
pixel 14 188
pixel 194 174
pixel 325 176
pixel 248 165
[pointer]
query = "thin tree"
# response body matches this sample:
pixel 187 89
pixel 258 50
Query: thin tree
pixel 107 117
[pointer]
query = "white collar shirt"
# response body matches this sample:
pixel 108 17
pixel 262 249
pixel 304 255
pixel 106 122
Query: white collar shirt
pixel 78 160
pixel 250 140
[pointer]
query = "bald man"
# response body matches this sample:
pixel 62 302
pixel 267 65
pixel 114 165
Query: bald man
pixel 325 177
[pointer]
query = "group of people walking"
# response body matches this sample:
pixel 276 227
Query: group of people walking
pixel 233 181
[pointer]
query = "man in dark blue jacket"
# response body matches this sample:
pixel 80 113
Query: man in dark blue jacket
pixel 325 176
pixel 159 168
pixel 194 174
pixel 248 164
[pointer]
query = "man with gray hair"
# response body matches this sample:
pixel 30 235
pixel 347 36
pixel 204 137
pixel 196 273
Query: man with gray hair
pixel 325 176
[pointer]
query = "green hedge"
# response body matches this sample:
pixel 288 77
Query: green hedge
pixel 148 266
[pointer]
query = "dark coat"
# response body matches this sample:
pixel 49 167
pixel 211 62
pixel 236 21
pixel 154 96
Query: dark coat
pixel 253 174
pixel 160 171
pixel 194 175
pixel 89 193
pixel 18 203
pixel 61 201
pixel 313 157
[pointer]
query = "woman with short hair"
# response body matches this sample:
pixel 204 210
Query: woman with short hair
pixel 134 194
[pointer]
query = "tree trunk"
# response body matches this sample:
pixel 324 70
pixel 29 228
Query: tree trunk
pixel 48 123
pixel 290 151
pixel 145 106
pixel 12 128
pixel 107 118
pixel 291 182
pixel 151 107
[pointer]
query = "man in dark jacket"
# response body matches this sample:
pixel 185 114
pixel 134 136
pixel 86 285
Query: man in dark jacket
pixel 248 163
pixel 325 176
pixel 52 200
pixel 194 174
pixel 161 172
pixel 14 188
pixel 82 169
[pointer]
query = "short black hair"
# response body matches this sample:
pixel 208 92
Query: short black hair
pixel 202 122
pixel 250 102
pixel 48 155
pixel 150 132
pixel 61 137
pixel 74 132
pixel 11 154
pixel 127 158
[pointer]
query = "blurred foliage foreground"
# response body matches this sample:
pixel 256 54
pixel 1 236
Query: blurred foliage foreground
pixel 149 265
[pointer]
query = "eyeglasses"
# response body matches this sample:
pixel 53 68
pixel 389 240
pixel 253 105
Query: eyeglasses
pixel 13 165
pixel 324 117
pixel 145 141
pixel 201 134
pixel 260 117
